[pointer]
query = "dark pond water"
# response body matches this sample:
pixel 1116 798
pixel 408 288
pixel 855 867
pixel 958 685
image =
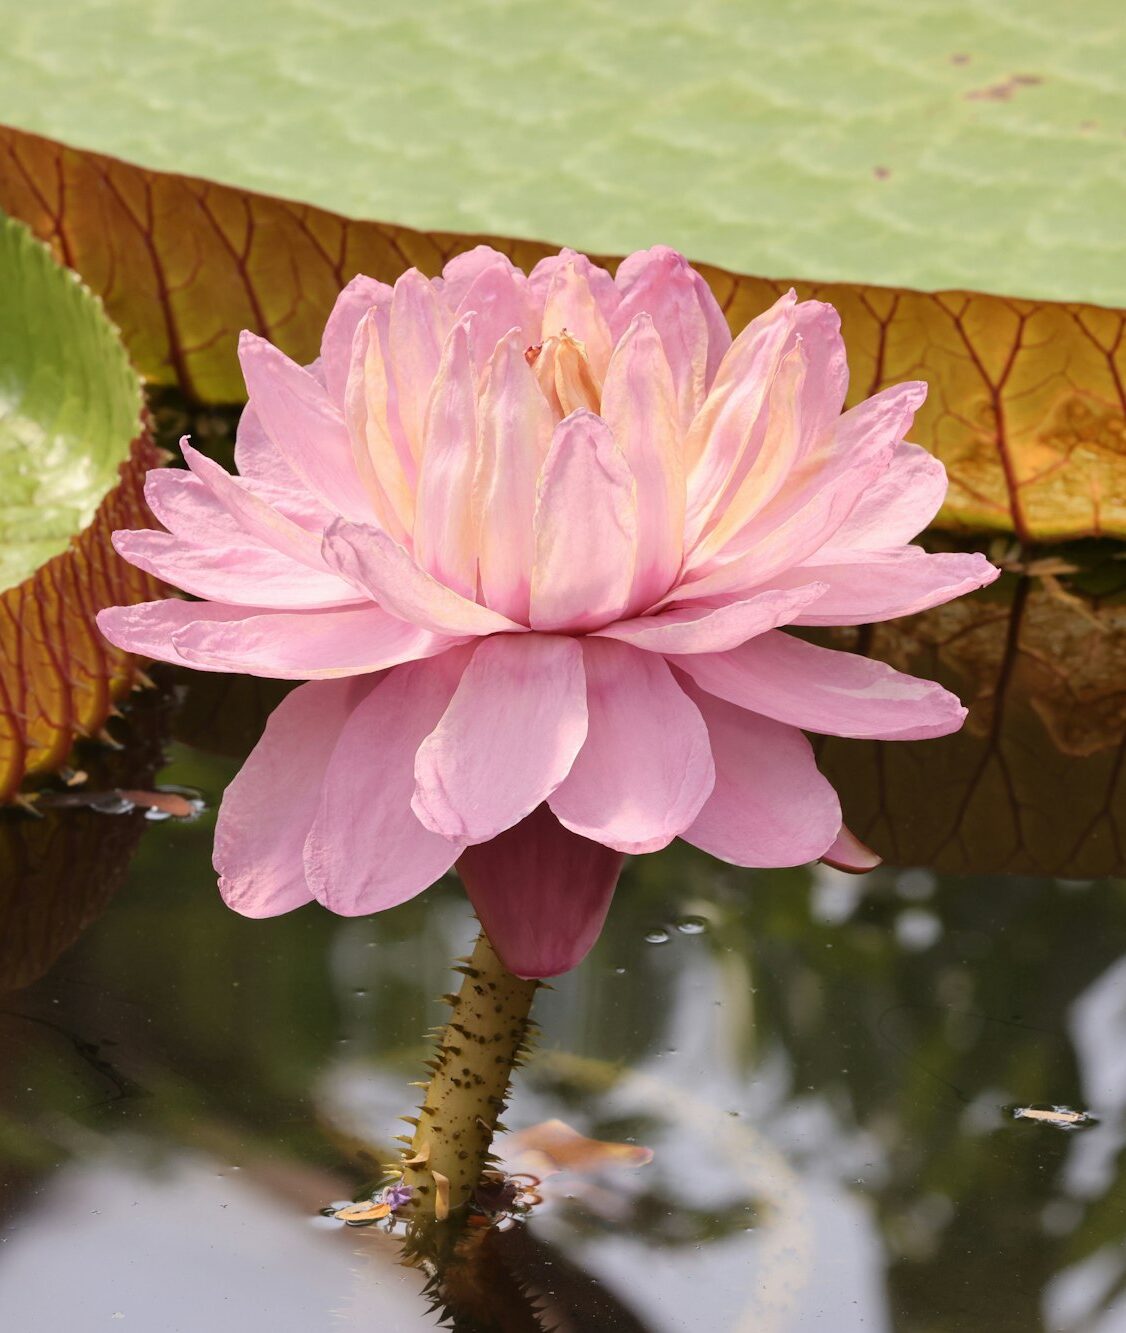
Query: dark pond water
pixel 826 1067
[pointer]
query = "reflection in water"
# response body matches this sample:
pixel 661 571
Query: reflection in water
pixel 824 1067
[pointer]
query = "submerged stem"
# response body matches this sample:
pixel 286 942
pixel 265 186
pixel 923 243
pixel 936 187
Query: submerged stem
pixel 479 1048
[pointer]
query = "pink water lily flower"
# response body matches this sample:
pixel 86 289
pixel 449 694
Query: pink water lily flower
pixel 532 542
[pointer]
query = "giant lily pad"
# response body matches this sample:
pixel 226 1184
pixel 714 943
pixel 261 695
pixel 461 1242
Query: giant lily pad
pixel 72 456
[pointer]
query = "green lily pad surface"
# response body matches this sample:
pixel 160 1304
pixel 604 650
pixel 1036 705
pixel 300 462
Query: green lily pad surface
pixel 69 405
pixel 932 145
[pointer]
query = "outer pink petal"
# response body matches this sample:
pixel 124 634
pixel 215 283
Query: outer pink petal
pixel 146 628
pixel 541 892
pixel 708 629
pixel 188 507
pixel 602 286
pixel 686 315
pixel 268 808
pixel 417 331
pixel 849 854
pixel 866 586
pixel 516 425
pixel 253 575
pixel 366 849
pixel 571 305
pixel 253 514
pixel 820 689
pixel 336 342
pixel 306 645
pixel 645 768
pixel 445 525
pixel 304 424
pixel 900 505
pixel 639 406
pixel 369 559
pixel 770 806
pixel 585 529
pixel 508 738
pixel 257 456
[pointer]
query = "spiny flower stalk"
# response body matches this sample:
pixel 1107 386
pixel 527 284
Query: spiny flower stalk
pixel 485 1039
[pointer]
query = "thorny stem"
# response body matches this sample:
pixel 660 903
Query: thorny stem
pixel 477 1052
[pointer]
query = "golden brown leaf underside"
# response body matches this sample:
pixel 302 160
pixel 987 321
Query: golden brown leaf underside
pixel 58 676
pixel 1027 398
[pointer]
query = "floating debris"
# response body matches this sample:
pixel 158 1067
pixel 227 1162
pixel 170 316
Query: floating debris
pixel 166 802
pixel 382 1206
pixel 1059 1117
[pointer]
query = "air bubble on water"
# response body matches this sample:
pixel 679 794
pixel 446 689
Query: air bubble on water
pixel 692 925
pixel 657 937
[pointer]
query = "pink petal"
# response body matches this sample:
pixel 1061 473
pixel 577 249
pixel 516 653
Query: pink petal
pixel 867 586
pixel 269 806
pixel 499 301
pixel 366 849
pixel 585 529
pixel 516 427
pixel 146 628
pixel 686 315
pixel 601 284
pixel 369 559
pixel 380 449
pixel 304 424
pixel 188 507
pixel 570 306
pixel 770 806
pixel 645 768
pixel 849 854
pixel 252 514
pixel 714 629
pixel 462 271
pixel 305 645
pixel 250 575
pixel 725 427
pixel 900 505
pixel 820 689
pixel 445 527
pixel 541 892
pixel 508 738
pixel 639 406
pixel 417 331
pixel 351 306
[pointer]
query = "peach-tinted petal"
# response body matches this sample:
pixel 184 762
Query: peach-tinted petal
pixel 585 529
pixel 899 505
pixel 849 854
pixel 570 306
pixel 564 375
pixel 445 522
pixel 243 574
pixel 866 586
pixel 687 317
pixel 639 406
pixel 602 286
pixel 417 330
pixel 382 455
pixel 515 434
pixel 714 629
pixel 508 738
pixel 820 689
pixel 645 768
pixel 351 306
pixel 724 429
pixel 269 807
pixel 305 645
pixel 770 806
pixel 369 559
pixel 366 849
pixel 304 424
pixel 541 892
